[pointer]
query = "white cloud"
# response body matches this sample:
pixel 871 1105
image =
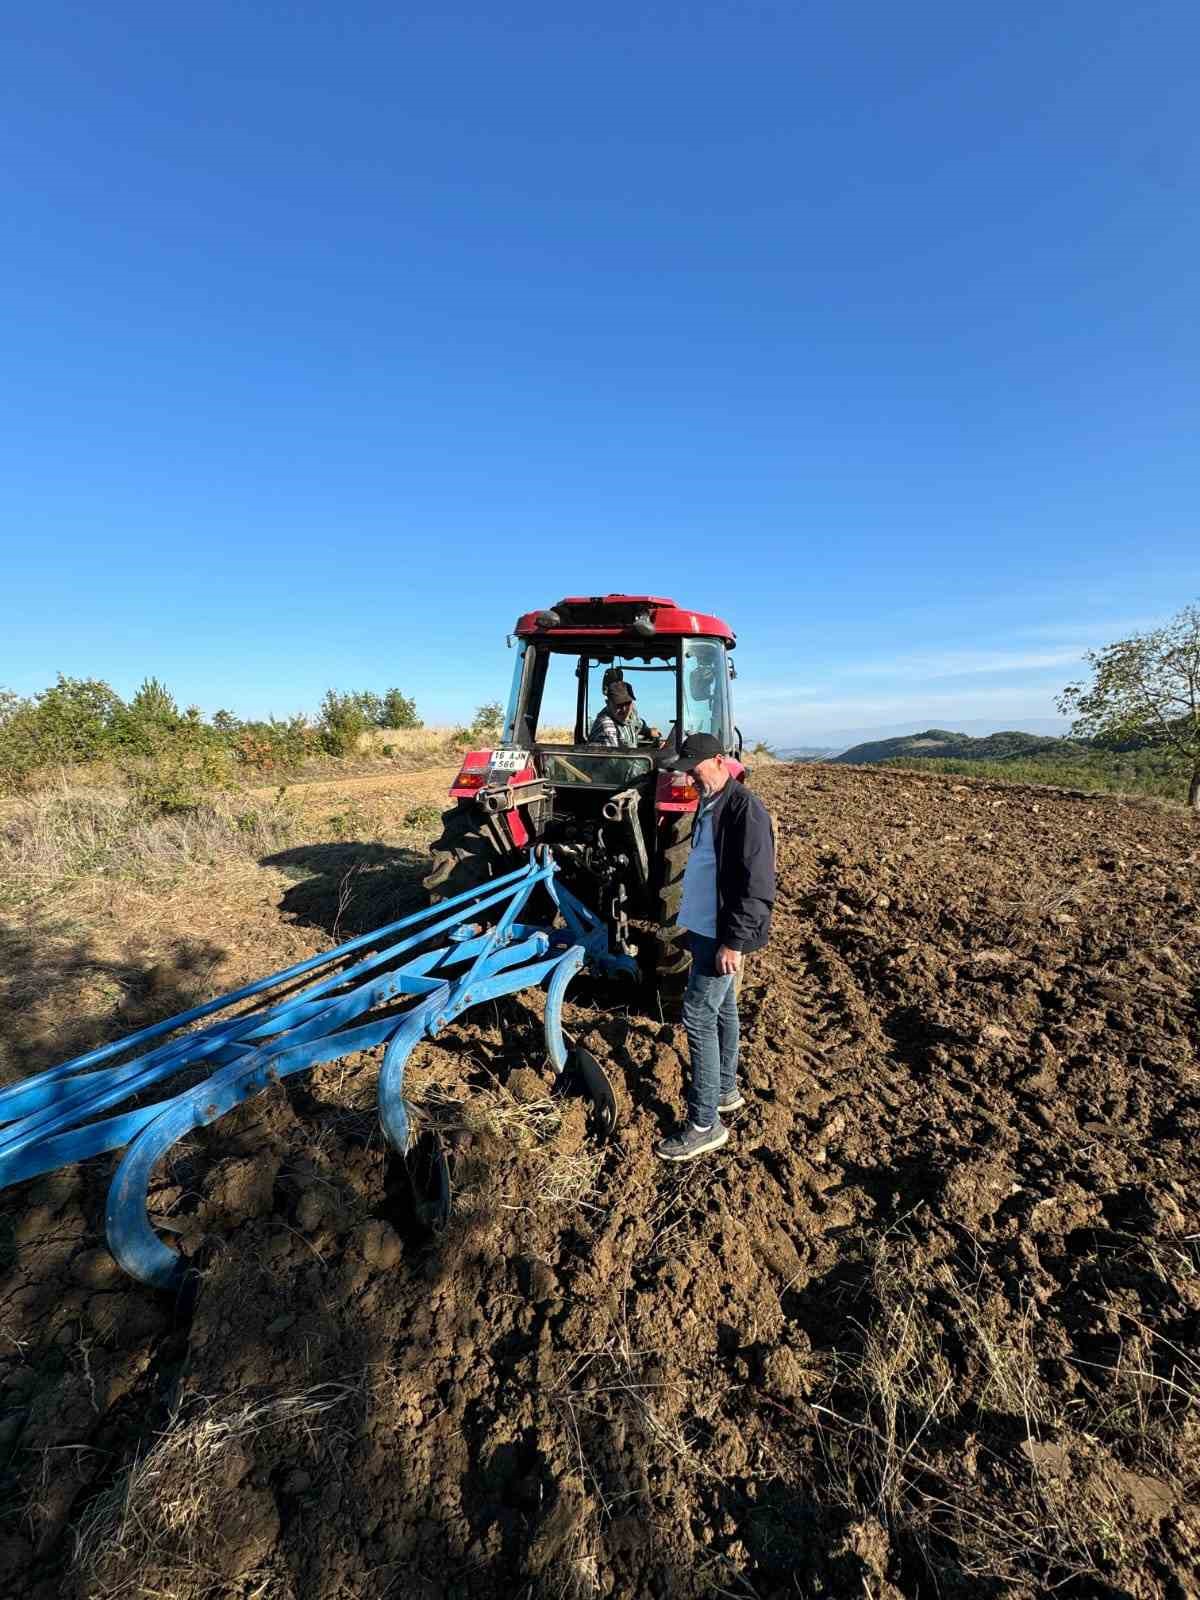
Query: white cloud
pixel 792 720
pixel 964 663
pixel 902 702
pixel 1095 631
pixel 1002 685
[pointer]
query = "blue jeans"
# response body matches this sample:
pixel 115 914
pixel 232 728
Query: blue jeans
pixel 711 1018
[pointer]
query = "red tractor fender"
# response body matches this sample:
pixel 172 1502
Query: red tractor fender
pixel 473 776
pixel 676 791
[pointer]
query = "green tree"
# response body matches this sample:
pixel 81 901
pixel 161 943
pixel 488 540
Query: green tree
pixel 74 719
pixel 488 721
pixel 1145 690
pixel 225 721
pixel 343 721
pixel 399 711
pixel 154 702
pixel 371 707
pixel 145 726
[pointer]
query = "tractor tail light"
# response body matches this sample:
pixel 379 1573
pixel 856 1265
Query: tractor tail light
pixel 470 779
pixel 676 791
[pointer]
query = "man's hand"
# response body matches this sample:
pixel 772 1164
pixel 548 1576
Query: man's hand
pixel 727 961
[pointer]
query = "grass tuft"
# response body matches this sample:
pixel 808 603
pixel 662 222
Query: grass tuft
pixel 180 1522
pixel 1013 1484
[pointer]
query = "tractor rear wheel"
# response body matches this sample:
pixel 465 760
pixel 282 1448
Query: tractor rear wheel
pixel 463 857
pixel 674 846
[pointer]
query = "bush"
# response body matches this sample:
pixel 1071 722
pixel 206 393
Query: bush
pixel 84 720
pixel 274 746
pixel 72 722
pixel 422 817
pixel 19 754
pixel 355 822
pixel 343 721
pixel 180 780
pixel 346 717
pixel 76 718
pixel 488 721
pixel 151 721
pixel 399 711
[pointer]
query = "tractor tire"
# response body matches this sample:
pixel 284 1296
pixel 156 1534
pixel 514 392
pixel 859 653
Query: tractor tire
pixel 462 857
pixel 674 846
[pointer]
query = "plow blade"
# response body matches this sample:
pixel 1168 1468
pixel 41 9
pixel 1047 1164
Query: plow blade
pixel 96 1102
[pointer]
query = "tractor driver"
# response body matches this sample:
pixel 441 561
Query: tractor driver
pixel 619 725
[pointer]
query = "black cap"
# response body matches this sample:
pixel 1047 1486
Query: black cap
pixel 695 748
pixel 619 693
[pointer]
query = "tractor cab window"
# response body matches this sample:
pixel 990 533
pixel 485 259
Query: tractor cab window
pixel 544 696
pixel 706 690
pixel 579 767
pixel 651 681
pixel 558 692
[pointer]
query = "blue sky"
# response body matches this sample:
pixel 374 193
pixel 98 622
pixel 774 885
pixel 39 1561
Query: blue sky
pixel 334 337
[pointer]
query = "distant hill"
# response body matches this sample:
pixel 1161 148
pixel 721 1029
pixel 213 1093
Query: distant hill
pixel 941 743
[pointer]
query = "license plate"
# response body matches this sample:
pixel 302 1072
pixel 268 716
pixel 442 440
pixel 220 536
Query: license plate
pixel 509 760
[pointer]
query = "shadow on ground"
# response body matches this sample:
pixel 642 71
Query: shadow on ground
pixel 59 996
pixel 349 888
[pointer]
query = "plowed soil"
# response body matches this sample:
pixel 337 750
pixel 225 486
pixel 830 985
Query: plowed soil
pixel 928 1325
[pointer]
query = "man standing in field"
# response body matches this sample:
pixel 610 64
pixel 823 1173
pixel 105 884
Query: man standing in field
pixel 728 894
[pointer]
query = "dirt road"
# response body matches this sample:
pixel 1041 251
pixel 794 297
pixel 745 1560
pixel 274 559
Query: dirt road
pixel 430 783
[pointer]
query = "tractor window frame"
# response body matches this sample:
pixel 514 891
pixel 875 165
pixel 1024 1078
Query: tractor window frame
pixel 663 658
pixel 707 655
pixel 589 656
pixel 513 735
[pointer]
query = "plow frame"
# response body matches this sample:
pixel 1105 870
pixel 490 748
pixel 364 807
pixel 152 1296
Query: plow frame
pixel 58 1116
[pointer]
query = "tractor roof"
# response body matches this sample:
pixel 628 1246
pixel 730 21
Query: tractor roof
pixel 640 616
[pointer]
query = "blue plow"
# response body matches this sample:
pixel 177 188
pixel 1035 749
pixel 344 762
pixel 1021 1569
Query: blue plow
pixel 405 988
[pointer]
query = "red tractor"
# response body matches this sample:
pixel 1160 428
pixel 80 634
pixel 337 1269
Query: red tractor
pixel 619 826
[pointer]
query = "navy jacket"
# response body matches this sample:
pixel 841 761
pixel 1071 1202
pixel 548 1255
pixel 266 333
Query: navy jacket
pixel 744 843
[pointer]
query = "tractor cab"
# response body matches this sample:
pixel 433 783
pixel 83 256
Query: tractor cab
pixel 560 688
pixel 676 663
pixel 618 824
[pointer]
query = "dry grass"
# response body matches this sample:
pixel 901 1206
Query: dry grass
pixel 175 1524
pixel 624 1378
pixel 926 1442
pixel 440 743
pixel 50 838
pixel 431 745
pixel 496 1111
pixel 553 1174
